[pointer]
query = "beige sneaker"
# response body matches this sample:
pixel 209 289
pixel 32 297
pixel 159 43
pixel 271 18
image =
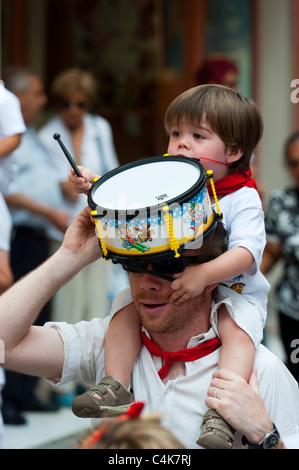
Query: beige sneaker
pixel 215 432
pixel 107 399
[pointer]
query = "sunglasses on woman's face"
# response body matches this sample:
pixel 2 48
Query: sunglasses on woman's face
pixel 77 104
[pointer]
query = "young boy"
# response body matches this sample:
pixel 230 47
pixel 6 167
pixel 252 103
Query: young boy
pixel 221 128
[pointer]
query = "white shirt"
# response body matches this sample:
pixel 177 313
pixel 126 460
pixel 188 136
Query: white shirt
pixel 11 123
pixel 5 225
pixel 243 217
pixel 5 233
pixel 182 400
pixel 36 179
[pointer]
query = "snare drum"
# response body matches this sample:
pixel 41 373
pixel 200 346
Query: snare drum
pixel 154 207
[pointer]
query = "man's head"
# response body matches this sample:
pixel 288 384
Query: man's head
pixel 151 294
pixel 27 86
pixel 233 118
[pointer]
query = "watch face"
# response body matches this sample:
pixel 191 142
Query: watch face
pixel 271 441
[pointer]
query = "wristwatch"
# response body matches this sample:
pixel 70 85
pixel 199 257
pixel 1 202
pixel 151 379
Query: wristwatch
pixel 269 441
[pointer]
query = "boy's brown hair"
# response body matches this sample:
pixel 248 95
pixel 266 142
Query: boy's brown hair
pixel 235 119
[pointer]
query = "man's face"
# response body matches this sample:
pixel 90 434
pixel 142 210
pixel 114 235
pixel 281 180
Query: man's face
pixel 32 100
pixel 157 315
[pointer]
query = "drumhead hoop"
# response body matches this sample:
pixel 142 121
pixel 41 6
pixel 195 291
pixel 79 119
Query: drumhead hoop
pixel 147 183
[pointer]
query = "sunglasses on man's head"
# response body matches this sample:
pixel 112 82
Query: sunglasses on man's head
pixel 77 104
pixel 164 266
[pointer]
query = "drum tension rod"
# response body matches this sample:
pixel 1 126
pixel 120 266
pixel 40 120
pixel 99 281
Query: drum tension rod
pixel 98 228
pixel 174 245
pixel 209 175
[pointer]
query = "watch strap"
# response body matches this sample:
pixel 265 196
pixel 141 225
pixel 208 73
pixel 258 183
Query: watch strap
pixel 263 443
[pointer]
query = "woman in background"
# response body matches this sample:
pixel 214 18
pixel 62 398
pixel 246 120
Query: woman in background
pixel 89 139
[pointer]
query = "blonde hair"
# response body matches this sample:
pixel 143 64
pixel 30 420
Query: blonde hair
pixel 72 81
pixel 235 119
pixel 144 432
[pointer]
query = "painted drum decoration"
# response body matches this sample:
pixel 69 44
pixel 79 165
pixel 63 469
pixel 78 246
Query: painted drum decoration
pixel 151 208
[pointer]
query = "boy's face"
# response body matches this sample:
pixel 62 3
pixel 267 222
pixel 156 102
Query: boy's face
pixel 200 142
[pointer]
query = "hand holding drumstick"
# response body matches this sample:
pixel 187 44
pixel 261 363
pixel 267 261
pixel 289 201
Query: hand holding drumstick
pixel 82 184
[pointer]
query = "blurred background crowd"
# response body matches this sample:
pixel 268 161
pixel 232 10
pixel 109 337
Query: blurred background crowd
pixel 101 73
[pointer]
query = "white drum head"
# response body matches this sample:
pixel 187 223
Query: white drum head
pixel 146 185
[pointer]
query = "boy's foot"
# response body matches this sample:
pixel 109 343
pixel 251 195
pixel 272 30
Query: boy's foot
pixel 215 433
pixel 107 399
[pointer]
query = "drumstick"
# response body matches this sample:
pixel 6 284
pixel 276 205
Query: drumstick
pixel 67 154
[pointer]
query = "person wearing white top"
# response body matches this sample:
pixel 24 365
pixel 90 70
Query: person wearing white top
pixel 6 279
pixel 89 140
pixel 97 151
pixel 12 127
pixel 63 352
pixel 33 199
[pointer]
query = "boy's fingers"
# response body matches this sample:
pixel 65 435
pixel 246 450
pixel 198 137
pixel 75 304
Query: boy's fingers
pixel 176 284
pixel 174 297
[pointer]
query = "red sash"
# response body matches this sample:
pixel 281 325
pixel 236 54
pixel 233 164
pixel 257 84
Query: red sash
pixel 184 355
pixel 233 182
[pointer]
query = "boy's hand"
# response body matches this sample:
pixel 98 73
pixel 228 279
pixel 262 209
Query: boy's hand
pixel 188 284
pixel 82 185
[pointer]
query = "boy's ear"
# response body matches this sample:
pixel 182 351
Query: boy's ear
pixel 234 155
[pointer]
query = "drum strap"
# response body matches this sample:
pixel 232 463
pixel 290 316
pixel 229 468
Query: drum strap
pixel 231 183
pixel 185 355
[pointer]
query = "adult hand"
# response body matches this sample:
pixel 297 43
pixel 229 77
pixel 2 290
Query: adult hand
pixel 240 404
pixel 80 240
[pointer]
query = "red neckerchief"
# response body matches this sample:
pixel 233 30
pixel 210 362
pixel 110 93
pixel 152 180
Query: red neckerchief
pixel 233 182
pixel 184 355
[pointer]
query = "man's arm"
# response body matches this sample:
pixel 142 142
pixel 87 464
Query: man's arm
pixel 39 350
pixel 9 144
